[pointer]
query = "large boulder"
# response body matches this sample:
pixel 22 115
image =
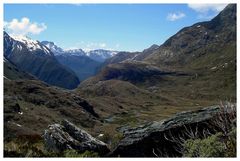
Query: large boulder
pixel 61 137
pixel 160 139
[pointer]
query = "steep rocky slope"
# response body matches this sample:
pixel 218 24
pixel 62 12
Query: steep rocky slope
pixel 209 40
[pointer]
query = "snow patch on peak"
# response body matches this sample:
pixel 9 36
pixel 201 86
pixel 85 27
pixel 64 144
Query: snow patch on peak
pixel 32 45
pixel 77 52
pixel 101 55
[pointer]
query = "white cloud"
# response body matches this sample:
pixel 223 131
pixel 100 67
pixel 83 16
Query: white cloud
pixel 204 8
pixel 207 11
pixel 175 16
pixel 102 45
pixel 77 4
pixel 24 27
pixel 89 46
pixel 96 45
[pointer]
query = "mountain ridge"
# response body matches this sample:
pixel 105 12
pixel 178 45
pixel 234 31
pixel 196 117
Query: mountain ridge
pixel 189 40
pixel 99 55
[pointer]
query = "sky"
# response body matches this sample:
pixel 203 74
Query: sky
pixel 121 27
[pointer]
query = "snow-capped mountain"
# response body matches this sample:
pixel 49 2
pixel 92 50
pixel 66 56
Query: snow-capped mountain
pixel 35 58
pixel 75 52
pixel 99 55
pixel 22 42
pixel 59 51
pixel 83 63
pixel 75 59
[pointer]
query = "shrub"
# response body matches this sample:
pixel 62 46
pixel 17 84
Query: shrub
pixel 217 139
pixel 23 149
pixel 208 147
pixel 225 120
pixel 27 146
pixel 221 144
pixel 231 144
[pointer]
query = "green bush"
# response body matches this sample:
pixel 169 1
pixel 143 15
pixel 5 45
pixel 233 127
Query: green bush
pixel 211 146
pixel 222 144
pixel 27 149
pixel 231 144
pixel 25 146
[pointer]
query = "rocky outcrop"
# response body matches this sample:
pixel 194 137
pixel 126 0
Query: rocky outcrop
pixel 59 138
pixel 156 139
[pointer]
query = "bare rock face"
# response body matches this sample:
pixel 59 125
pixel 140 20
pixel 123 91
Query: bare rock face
pixel 157 139
pixel 68 136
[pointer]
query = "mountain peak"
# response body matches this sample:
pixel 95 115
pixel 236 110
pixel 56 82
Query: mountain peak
pixel 23 39
pixel 31 44
pixel 229 12
pixel 54 48
pixel 75 52
pixel 101 55
pixel 20 42
pixel 224 18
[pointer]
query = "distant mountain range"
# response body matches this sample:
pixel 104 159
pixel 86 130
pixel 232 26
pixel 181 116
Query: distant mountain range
pixel 84 64
pixel 99 55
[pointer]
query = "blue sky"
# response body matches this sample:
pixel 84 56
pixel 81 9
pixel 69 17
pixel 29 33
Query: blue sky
pixel 125 27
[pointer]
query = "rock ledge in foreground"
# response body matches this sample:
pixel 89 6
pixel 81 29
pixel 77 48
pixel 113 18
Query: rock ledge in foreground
pixel 66 136
pixel 151 140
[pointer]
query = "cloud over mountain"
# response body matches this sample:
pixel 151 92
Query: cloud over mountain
pixel 203 8
pixel 207 11
pixel 175 16
pixel 24 27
